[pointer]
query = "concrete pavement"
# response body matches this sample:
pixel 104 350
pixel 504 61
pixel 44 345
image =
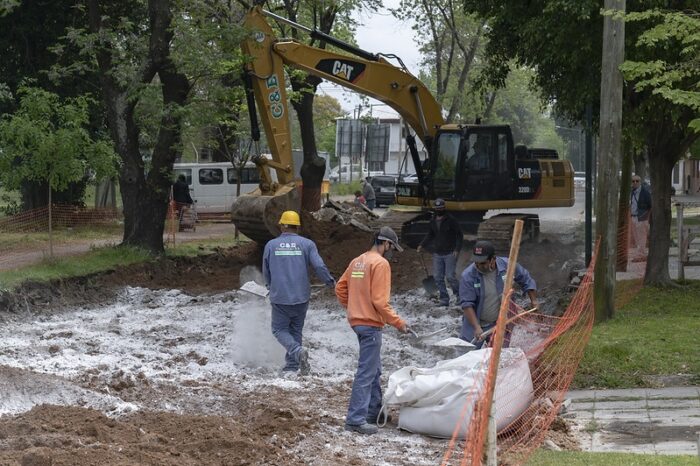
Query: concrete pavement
pixel 652 421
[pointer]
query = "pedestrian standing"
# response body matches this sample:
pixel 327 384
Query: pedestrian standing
pixel 481 289
pixel 444 237
pixel 368 192
pixel 640 210
pixel 286 263
pixel 364 290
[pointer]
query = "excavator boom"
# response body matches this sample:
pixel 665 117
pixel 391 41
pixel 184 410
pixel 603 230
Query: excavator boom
pixel 368 74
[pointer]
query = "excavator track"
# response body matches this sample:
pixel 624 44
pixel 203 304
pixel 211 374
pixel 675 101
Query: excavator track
pixel 499 230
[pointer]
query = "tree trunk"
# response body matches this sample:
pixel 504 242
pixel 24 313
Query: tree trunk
pixel 661 162
pixel 145 196
pixel 609 161
pixel 314 167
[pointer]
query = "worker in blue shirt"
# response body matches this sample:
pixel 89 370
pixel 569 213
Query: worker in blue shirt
pixel 481 289
pixel 286 263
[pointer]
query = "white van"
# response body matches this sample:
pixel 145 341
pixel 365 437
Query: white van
pixel 342 174
pixel 213 185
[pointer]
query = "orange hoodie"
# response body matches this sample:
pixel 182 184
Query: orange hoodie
pixel 364 290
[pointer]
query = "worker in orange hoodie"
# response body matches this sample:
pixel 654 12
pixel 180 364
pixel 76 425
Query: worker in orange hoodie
pixel 364 291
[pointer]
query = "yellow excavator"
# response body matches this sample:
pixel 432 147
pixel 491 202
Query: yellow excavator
pixel 474 168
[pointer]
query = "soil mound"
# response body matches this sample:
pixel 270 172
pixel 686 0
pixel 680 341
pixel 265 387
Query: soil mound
pixel 66 435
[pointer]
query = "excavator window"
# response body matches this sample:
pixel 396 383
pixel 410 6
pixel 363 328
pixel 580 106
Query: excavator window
pixel 445 174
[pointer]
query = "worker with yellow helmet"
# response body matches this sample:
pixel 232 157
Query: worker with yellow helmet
pixel 286 263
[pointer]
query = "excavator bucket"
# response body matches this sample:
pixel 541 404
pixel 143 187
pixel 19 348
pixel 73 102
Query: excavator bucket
pixel 257 216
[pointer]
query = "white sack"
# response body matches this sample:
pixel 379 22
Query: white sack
pixel 431 400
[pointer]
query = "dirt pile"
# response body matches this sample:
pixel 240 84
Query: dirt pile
pixel 339 241
pixel 55 435
pixel 196 275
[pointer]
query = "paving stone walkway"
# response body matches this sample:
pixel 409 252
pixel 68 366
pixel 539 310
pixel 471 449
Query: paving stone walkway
pixel 652 421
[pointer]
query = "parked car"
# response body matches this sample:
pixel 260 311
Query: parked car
pixel 384 189
pixel 342 174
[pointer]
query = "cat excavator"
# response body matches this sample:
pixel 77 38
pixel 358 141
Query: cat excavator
pixel 474 168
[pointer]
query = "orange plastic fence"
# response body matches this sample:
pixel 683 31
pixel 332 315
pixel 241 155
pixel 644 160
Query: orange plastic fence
pixel 554 347
pixel 62 215
pixel 632 252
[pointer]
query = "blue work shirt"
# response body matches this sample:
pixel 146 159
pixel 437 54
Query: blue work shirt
pixel 286 262
pixel 471 288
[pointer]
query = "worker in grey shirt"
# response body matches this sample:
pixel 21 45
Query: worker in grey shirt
pixel 286 263
pixel 481 289
pixel 368 192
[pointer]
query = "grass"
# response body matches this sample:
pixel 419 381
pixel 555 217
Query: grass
pixel 99 259
pixel 653 335
pixel 60 235
pixel 105 258
pixel 579 458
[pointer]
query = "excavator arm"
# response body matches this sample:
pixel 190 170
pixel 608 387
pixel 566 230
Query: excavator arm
pixel 366 73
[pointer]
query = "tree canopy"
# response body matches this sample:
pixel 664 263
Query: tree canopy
pixel 47 139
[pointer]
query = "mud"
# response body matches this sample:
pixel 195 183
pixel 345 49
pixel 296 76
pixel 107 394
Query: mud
pixel 166 363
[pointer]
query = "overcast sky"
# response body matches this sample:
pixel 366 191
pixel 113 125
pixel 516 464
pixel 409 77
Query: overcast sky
pixel 380 32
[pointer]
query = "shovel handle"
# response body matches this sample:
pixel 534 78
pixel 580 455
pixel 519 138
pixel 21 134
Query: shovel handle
pixel 493 329
pixel 422 261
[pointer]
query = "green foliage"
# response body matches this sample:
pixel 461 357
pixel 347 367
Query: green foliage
pixel 450 42
pixel 47 139
pixel 654 335
pixel 675 77
pixel 7 5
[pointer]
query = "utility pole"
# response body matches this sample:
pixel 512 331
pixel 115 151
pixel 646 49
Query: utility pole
pixel 610 157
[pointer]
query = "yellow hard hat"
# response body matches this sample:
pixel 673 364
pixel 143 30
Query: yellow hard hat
pixel 290 217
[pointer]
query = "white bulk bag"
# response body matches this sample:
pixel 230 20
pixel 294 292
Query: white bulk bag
pixel 431 400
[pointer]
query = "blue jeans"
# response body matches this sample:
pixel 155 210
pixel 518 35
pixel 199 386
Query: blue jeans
pixel 366 397
pixel 444 268
pixel 287 325
pixel 371 203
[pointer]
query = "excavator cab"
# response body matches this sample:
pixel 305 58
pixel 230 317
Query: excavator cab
pixel 473 163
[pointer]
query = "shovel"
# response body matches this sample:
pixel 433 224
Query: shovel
pixel 255 289
pixel 419 338
pixel 493 329
pixel 429 284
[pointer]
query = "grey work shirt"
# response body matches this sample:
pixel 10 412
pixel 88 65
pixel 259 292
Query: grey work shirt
pixel 368 192
pixel 492 298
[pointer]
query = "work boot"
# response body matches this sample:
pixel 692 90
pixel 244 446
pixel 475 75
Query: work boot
pixel 366 429
pixel 304 367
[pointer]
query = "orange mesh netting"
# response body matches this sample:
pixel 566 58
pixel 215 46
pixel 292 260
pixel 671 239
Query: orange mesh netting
pixel 62 215
pixel 554 347
pixel 632 252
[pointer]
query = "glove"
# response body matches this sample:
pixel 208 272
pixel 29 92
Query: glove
pixel 407 329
